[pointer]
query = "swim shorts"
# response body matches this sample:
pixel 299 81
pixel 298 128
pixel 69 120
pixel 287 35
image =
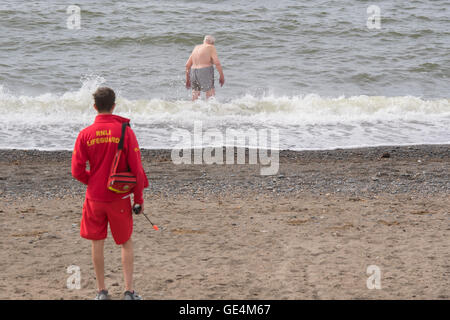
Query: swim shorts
pixel 202 79
pixel 97 214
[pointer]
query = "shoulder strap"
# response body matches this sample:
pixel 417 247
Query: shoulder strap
pixel 122 137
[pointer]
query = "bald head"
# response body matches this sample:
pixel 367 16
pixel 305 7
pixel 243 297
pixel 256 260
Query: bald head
pixel 209 39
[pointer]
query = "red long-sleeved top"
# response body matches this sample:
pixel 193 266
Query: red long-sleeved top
pixel 98 144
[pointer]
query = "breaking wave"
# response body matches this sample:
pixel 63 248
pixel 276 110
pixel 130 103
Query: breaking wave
pixel 51 121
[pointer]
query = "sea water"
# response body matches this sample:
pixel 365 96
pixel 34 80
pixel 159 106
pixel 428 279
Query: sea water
pixel 313 70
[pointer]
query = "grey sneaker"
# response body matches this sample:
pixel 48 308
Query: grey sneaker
pixel 128 295
pixel 102 295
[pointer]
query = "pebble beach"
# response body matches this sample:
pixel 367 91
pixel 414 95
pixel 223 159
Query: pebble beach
pixel 227 232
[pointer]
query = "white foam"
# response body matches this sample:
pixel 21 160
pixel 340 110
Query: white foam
pixel 51 121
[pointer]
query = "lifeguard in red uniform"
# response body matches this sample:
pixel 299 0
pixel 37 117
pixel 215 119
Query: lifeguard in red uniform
pixel 97 145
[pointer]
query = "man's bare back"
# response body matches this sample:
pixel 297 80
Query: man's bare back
pixel 204 55
pixel 199 68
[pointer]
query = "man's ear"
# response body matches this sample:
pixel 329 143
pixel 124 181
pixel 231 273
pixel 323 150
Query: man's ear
pixel 95 107
pixel 113 107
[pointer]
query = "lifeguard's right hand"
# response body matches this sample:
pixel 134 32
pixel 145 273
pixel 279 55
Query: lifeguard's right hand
pixel 188 84
pixel 138 208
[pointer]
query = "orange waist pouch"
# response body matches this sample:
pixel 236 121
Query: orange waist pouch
pixel 120 182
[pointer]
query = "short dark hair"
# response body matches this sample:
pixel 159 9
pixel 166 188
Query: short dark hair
pixel 105 98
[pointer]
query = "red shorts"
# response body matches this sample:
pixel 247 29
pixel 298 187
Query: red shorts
pixel 97 214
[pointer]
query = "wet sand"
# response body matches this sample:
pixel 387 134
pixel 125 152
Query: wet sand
pixel 308 232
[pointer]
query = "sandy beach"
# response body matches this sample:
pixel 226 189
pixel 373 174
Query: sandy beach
pixel 309 232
